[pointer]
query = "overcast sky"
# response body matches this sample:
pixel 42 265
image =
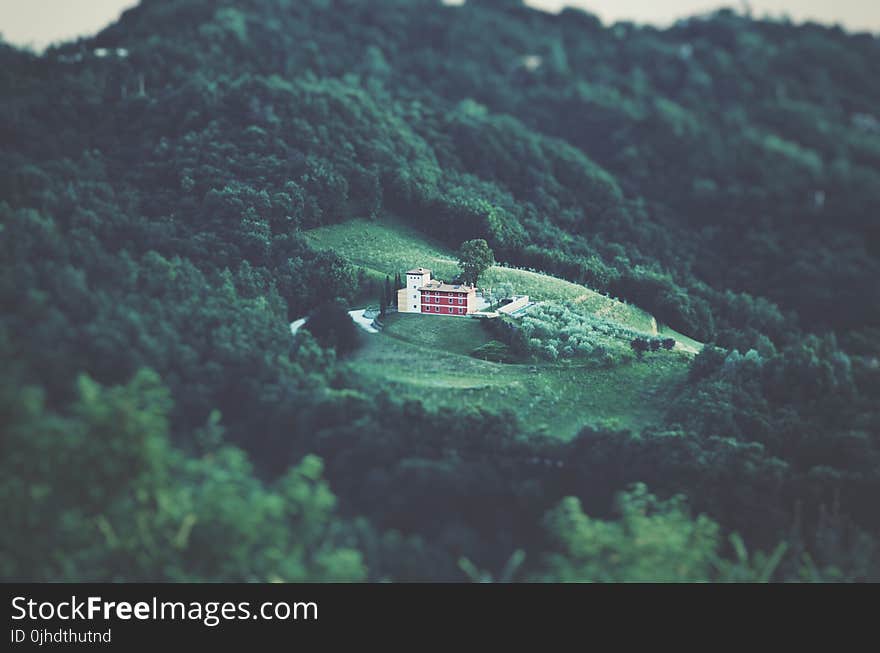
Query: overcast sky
pixel 40 22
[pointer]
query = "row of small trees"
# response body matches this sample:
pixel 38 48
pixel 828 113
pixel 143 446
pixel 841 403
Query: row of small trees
pixel 641 344
pixel 388 292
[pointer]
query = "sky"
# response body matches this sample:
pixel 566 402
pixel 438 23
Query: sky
pixel 856 15
pixel 38 23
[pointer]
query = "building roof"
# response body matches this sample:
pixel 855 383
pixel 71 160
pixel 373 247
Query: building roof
pixel 435 285
pixel 419 271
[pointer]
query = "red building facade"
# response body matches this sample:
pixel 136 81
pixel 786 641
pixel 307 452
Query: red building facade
pixel 446 302
pixel 434 297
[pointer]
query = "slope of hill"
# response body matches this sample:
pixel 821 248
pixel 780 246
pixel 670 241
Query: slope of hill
pixel 427 359
pixel 701 158
pixel 391 246
pixel 179 187
pixel 385 247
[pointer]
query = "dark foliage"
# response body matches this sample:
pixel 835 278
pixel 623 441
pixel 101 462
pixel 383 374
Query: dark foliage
pixel 160 423
pixel 332 326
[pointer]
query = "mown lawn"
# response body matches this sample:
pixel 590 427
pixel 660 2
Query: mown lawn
pixel 425 358
pixel 456 335
pixel 383 247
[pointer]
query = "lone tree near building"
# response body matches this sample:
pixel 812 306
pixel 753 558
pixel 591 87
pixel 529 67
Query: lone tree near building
pixel 474 258
pixel 388 297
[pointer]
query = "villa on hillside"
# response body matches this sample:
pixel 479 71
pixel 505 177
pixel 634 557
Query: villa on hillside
pixel 426 295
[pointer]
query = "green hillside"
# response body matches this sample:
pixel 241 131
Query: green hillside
pixel 180 187
pixel 426 359
pixel 383 248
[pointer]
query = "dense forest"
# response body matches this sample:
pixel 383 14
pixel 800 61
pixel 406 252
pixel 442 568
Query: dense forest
pixel 159 422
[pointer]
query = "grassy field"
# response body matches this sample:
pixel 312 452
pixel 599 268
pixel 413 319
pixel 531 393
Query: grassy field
pixel 426 358
pixel 456 335
pixel 384 248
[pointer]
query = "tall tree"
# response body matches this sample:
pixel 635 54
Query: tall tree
pixel 474 258
pixel 389 294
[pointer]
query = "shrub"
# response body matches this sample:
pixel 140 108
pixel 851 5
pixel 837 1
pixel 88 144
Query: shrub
pixel 332 326
pixel 494 351
pixel 552 330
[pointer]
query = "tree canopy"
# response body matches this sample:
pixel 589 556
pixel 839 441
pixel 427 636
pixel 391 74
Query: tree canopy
pixel 474 258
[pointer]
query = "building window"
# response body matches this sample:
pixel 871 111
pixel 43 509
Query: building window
pixel 414 306
pixel 460 311
pixel 461 300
